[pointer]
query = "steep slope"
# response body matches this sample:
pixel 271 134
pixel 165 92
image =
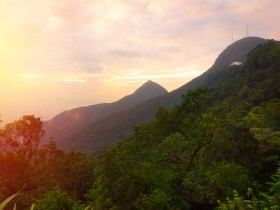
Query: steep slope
pixel 235 52
pixel 257 81
pixel 108 130
pixel 71 121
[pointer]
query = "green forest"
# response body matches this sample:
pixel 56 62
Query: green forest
pixel 219 149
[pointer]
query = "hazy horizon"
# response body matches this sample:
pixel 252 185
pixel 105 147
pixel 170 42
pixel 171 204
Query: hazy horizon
pixel 60 55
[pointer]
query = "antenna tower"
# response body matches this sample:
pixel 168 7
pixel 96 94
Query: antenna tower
pixel 247 30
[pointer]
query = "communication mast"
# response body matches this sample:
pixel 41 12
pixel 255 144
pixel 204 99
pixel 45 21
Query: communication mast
pixel 247 30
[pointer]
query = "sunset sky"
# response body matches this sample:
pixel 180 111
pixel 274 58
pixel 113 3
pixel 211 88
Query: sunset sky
pixel 56 55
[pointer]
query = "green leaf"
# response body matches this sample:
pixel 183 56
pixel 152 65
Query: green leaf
pixel 32 207
pixel 249 192
pixel 249 206
pixel 5 202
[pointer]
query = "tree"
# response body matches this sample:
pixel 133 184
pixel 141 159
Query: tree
pixel 58 200
pixel 23 137
pixel 73 173
pixel 193 119
pixel 264 123
pixel 18 158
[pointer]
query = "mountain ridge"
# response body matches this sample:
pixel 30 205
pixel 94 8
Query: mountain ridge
pixel 108 130
pixel 71 121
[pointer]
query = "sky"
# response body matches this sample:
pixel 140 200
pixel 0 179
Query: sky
pixel 57 55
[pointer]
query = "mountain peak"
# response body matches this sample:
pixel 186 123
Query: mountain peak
pixel 71 121
pixel 237 51
pixel 149 81
pixel 150 89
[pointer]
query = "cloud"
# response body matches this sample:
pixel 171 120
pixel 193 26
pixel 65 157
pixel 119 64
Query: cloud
pixel 125 53
pixel 96 41
pixel 156 76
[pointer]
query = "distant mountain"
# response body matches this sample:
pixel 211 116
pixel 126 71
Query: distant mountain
pixel 71 121
pixel 108 130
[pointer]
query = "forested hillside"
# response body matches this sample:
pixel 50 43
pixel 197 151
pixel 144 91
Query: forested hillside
pixel 110 129
pixel 219 149
pixel 203 149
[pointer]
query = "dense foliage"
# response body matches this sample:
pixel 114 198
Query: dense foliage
pixel 258 80
pixel 190 157
pixel 34 172
pixel 217 143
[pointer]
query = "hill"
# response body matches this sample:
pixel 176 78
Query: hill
pixel 108 130
pixel 71 121
pixel 218 152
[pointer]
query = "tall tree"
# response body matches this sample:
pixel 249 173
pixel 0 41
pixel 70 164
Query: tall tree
pixel 23 137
